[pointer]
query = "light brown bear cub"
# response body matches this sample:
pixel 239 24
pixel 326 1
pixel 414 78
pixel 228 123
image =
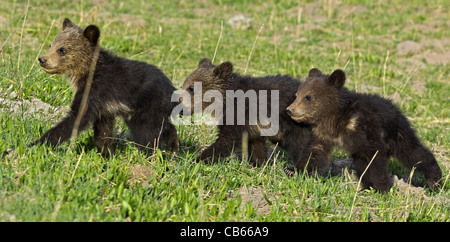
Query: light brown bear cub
pixel 138 92
pixel 366 126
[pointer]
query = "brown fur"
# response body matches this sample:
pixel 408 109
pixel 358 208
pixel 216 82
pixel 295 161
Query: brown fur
pixel 76 62
pixel 138 92
pixel 364 125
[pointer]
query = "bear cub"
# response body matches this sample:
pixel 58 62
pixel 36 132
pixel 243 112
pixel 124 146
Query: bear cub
pixel 138 92
pixel 297 139
pixel 368 127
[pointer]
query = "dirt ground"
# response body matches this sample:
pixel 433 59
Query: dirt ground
pixel 34 106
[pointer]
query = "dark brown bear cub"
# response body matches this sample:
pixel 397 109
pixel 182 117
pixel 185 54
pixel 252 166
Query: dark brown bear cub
pixel 138 92
pixel 297 139
pixel 367 126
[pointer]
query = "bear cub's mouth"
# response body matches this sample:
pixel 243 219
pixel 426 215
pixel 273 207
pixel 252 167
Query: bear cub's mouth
pixel 298 118
pixel 49 70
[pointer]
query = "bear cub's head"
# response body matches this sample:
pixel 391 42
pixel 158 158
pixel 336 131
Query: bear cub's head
pixel 211 78
pixel 317 97
pixel 72 50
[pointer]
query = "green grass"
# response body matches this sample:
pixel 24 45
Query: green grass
pixel 63 184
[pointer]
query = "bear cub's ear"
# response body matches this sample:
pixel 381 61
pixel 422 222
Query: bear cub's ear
pixel 92 33
pixel 314 72
pixel 68 24
pixel 205 63
pixel 337 78
pixel 224 70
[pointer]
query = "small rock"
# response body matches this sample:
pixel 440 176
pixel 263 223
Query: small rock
pixel 32 106
pixel 9 154
pixel 404 187
pixel 338 165
pixel 239 21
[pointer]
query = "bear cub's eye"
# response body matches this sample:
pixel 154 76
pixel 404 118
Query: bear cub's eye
pixel 191 89
pixel 308 98
pixel 62 51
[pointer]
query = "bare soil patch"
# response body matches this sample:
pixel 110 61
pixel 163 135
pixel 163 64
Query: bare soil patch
pixel 33 106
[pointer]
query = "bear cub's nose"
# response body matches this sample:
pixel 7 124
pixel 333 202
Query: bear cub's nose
pixel 41 60
pixel 289 111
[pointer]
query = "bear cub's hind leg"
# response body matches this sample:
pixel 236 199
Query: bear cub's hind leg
pixel 373 174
